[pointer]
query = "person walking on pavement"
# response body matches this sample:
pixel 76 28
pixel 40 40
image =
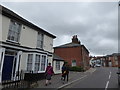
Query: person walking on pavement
pixel 65 72
pixel 63 69
pixel 49 72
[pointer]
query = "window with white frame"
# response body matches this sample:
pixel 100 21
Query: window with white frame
pixel 37 63
pixel 43 62
pixel 14 31
pixel 57 65
pixel 40 40
pixel 73 62
pixel 29 62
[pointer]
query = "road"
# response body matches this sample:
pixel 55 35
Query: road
pixel 103 77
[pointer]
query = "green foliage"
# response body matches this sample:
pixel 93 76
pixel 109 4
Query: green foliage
pixel 76 68
pixel 65 62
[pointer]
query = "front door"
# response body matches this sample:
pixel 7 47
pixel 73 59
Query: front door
pixel 7 67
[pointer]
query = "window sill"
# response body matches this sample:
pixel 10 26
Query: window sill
pixel 39 48
pixel 13 42
pixel 36 72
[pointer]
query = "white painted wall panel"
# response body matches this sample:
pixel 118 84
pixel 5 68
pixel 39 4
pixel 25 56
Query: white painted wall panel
pixel 48 43
pixel 28 37
pixel 23 61
pixel 5 27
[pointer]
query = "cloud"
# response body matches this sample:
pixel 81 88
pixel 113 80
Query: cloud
pixel 95 23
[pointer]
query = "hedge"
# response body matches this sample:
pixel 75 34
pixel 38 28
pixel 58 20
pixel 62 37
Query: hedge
pixel 76 68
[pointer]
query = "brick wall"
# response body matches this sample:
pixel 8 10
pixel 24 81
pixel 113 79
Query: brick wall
pixel 69 54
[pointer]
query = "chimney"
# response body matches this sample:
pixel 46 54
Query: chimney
pixel 75 39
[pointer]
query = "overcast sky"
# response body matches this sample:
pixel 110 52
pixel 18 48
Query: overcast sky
pixel 95 23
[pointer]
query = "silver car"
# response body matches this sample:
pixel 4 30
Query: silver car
pixel 98 65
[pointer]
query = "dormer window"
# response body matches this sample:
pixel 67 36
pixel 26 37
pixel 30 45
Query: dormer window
pixel 40 40
pixel 14 31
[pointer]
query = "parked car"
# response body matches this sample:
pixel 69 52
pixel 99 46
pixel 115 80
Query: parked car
pixel 118 76
pixel 98 65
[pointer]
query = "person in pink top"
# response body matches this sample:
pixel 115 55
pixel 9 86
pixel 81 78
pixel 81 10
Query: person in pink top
pixel 49 72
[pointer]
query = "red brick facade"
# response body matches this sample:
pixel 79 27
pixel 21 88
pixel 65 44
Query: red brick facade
pixel 118 60
pixel 69 54
pixel 113 59
pixel 74 51
pixel 85 57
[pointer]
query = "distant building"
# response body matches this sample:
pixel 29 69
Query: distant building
pixel 118 60
pixel 112 60
pixel 109 60
pixel 74 53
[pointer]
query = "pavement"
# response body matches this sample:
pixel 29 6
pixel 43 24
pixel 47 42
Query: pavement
pixel 1 87
pixel 57 83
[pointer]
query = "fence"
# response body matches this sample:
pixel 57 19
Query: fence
pixel 18 82
pixel 23 80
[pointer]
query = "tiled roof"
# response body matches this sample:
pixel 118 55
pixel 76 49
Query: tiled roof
pixel 116 54
pixel 68 45
pixel 58 58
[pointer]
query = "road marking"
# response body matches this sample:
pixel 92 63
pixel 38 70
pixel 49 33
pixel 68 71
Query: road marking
pixel 93 70
pixel 110 75
pixel 108 81
pixel 71 82
pixel 106 85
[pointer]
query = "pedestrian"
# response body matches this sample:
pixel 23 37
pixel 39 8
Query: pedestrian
pixel 49 72
pixel 65 73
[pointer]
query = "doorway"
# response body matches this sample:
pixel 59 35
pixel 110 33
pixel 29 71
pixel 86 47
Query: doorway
pixel 7 67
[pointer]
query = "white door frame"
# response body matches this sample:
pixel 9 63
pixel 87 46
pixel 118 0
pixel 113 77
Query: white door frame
pixel 2 54
pixel 17 65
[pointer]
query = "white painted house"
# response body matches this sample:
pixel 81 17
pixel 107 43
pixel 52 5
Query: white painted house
pixel 23 46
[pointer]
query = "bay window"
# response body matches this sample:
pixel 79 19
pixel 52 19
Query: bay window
pixel 43 62
pixel 29 62
pixel 36 62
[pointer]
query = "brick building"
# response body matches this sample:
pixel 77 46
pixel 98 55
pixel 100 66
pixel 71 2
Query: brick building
pixel 74 53
pixel 118 60
pixel 112 60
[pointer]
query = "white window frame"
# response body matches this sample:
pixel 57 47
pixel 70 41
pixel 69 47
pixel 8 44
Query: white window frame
pixel 34 62
pixel 19 54
pixel 14 31
pixel 2 54
pixel 40 40
pixel 38 62
pixel 29 62
pixel 57 65
pixel 74 64
pixel 44 62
